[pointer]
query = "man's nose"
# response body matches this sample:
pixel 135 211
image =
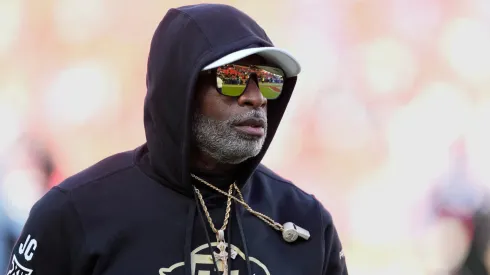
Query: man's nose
pixel 252 96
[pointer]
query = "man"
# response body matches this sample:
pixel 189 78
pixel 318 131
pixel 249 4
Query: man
pixel 194 199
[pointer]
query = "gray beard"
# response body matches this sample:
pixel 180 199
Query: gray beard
pixel 221 141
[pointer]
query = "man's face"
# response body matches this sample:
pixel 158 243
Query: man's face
pixel 230 129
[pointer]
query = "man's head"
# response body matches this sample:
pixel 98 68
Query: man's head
pixel 230 129
pixel 196 125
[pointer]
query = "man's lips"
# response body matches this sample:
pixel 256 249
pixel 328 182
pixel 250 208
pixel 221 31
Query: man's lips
pixel 252 122
pixel 252 126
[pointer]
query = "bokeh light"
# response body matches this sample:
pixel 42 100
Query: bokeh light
pixel 465 44
pixel 79 21
pixel 81 93
pixel 10 23
pixel 389 66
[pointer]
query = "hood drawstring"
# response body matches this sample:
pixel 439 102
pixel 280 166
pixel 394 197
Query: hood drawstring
pixel 201 215
pixel 188 239
pixel 229 239
pixel 244 240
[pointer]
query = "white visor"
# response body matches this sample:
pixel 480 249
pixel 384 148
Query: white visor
pixel 277 56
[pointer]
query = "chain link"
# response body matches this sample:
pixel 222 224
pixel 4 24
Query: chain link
pixel 208 216
pixel 241 200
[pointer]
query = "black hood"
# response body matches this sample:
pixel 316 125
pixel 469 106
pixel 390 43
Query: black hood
pixel 185 41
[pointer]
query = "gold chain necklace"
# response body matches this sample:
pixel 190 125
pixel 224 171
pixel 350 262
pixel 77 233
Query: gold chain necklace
pixel 208 216
pixel 222 256
pixel 290 231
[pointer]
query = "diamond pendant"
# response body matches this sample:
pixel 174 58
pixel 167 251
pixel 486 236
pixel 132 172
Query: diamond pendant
pixel 222 256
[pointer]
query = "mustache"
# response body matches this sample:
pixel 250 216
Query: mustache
pixel 252 114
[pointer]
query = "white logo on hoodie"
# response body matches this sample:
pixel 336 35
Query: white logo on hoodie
pixel 17 269
pixel 206 259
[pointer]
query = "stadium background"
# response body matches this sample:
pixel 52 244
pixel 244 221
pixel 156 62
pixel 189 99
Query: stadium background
pixel 387 127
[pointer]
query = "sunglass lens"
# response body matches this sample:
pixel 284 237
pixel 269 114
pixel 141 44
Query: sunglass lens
pixel 232 79
pixel 271 81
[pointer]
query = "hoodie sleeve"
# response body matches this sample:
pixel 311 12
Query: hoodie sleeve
pixel 334 262
pixel 51 238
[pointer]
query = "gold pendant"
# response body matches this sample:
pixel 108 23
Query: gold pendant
pixel 222 256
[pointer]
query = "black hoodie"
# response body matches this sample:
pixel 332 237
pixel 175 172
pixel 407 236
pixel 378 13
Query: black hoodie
pixel 135 212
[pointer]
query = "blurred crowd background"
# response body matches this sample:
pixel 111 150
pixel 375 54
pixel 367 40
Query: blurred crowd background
pixel 387 126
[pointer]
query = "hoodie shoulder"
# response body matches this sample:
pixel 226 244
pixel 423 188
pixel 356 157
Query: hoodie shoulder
pixel 281 183
pixel 269 186
pixel 103 169
pixel 286 195
pixel 289 202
